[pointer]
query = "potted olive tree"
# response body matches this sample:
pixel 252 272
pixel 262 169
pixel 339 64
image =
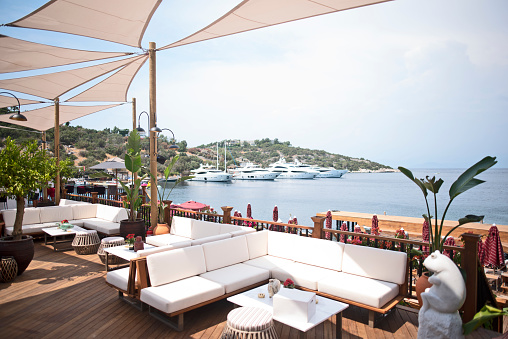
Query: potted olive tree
pixel 133 201
pixel 23 169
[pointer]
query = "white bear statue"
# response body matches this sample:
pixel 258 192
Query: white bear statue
pixel 439 316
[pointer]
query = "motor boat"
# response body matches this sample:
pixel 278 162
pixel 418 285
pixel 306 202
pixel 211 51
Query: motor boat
pixel 290 171
pixel 322 172
pixel 209 173
pixel 253 172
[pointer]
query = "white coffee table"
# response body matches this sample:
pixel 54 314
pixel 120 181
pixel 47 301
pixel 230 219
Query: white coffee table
pixel 123 252
pixel 325 309
pixel 56 232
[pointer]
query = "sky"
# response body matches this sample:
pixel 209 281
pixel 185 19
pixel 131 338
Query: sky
pixel 413 83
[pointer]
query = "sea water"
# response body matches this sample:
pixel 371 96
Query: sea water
pixel 374 193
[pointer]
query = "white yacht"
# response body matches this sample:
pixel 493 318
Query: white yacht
pixel 290 171
pixel 322 172
pixel 209 173
pixel 253 172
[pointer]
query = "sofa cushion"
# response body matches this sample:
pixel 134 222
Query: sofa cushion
pixel 209 239
pixel 257 243
pixel 56 213
pixel 111 213
pixel 226 228
pixel 319 252
pixel 268 262
pixel 64 202
pixel 203 229
pixel 225 252
pixel 108 227
pixel 181 244
pixel 237 276
pixel 181 294
pixel 84 211
pixel 181 226
pixel 165 239
pixel 302 274
pixel 118 278
pixel 28 229
pixel 283 245
pixel 375 263
pixel 244 230
pixel 372 292
pixel 9 217
pixel 170 266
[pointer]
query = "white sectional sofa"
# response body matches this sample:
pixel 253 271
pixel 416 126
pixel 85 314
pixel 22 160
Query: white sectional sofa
pixel 197 231
pixel 104 219
pixel 176 281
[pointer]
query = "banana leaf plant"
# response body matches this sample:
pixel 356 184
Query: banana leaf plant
pixel 160 192
pixel 133 164
pixel 486 315
pixel 463 183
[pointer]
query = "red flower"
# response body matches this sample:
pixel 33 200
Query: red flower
pixel 65 221
pixel 130 236
pixel 289 283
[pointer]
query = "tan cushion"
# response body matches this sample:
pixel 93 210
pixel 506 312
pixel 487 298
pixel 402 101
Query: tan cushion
pixel 31 216
pixel 225 252
pixel 84 211
pixel 55 213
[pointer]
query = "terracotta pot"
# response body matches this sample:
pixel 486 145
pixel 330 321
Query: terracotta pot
pixel 421 285
pixel 161 229
pixel 136 227
pixel 22 250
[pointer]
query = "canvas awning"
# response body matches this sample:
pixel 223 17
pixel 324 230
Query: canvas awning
pixel 122 21
pixel 254 14
pixel 53 85
pixel 115 87
pixel 43 119
pixel 6 101
pixel 20 55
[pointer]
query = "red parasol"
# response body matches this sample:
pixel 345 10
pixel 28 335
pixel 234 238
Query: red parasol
pixel 450 241
pixel 240 222
pixel 235 215
pixel 481 252
pixel 275 218
pixel 343 227
pixel 493 249
pixel 425 236
pixel 249 211
pixel 328 224
pixel 375 225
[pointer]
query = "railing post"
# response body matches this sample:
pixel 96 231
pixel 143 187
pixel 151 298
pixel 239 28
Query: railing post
pixel 64 193
pixel 318 227
pixel 166 210
pixel 470 265
pixel 227 214
pixel 143 195
pixel 95 197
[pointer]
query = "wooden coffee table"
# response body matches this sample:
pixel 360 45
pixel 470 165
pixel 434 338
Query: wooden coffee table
pixel 123 252
pixel 325 308
pixel 56 232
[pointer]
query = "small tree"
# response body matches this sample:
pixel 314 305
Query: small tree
pixel 24 168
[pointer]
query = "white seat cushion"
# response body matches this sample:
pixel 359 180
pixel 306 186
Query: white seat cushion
pixel 181 244
pixel 372 292
pixel 268 262
pixel 101 225
pixel 225 252
pixel 118 278
pixel 181 294
pixel 165 239
pixel 237 276
pixel 302 274
pixel 210 239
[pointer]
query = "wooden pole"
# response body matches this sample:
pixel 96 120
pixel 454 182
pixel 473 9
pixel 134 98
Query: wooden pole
pixel 318 227
pixel 44 145
pixel 57 150
pixel 227 214
pixel 153 135
pixel 470 265
pixel 135 176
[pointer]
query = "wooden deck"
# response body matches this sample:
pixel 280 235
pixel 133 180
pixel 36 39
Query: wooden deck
pixel 64 295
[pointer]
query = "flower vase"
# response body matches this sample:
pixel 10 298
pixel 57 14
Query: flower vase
pixel 131 246
pixel 421 285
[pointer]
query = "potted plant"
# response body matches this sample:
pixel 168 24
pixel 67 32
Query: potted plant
pixel 23 168
pixel 133 201
pixel 162 224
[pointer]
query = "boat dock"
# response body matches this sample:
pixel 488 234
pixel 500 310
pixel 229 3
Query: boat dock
pixel 392 223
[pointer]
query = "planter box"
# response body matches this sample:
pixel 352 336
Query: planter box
pixel 294 304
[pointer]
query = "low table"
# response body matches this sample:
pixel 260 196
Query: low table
pixel 325 308
pixel 122 252
pixel 56 232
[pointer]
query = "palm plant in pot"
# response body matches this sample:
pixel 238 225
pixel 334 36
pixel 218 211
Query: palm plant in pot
pixel 463 183
pixel 133 201
pixel 162 224
pixel 23 169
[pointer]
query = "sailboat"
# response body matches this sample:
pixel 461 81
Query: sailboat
pixel 208 173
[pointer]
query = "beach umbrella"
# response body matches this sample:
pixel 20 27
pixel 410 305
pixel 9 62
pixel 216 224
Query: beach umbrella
pixel 295 222
pixel 275 217
pixel 493 249
pixel 375 225
pixel 249 211
pixel 235 215
pixel 481 252
pixel 450 241
pixel 425 235
pixel 240 222
pixel 115 163
pixel 343 227
pixel 328 224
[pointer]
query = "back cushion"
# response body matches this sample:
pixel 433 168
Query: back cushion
pixel 64 202
pixel 257 243
pixel 109 213
pixel 32 216
pixel 202 229
pixel 244 230
pixel 209 239
pixel 225 228
pixel 283 245
pixel 56 213
pixel 374 263
pixel 226 252
pixel 9 217
pixel 177 264
pixel 181 244
pixel 84 211
pixel 121 214
pixel 181 226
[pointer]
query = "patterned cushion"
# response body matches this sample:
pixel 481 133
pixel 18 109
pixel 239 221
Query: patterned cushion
pixel 249 319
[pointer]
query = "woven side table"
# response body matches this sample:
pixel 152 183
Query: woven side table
pixel 110 242
pixel 249 323
pixel 8 269
pixel 86 242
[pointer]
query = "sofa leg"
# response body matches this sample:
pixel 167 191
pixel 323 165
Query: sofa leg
pixel 137 304
pixel 178 325
pixel 372 318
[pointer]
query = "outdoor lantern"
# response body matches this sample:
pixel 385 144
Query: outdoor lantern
pixel 16 116
pixel 173 146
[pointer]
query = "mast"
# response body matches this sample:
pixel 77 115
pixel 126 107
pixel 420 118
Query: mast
pixel 217 165
pixel 225 168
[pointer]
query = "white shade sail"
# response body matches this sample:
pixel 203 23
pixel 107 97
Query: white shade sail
pixel 43 119
pixel 7 101
pixel 115 87
pixel 53 85
pixel 122 21
pixel 254 14
pixel 20 55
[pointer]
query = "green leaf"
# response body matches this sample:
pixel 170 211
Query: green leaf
pixel 433 185
pixel 470 218
pixel 486 313
pixel 466 180
pixel 411 177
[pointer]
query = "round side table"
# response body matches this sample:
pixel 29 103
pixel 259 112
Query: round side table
pixel 249 323
pixel 8 269
pixel 86 242
pixel 110 242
